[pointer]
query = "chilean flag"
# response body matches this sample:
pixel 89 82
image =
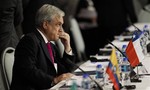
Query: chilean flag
pixel 134 49
pixel 113 76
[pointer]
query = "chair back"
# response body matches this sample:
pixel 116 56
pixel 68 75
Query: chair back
pixel 144 15
pixel 7 64
pixel 77 38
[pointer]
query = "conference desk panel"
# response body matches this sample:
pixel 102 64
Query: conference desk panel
pixel 91 66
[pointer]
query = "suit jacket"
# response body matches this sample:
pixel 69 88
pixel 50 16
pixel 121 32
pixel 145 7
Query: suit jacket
pixel 11 16
pixel 33 69
pixel 115 13
pixel 114 16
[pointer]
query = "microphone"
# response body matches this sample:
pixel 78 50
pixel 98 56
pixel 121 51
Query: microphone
pixel 138 31
pixel 136 27
pixel 116 48
pixel 98 86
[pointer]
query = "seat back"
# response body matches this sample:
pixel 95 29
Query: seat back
pixel 144 14
pixel 77 38
pixel 7 64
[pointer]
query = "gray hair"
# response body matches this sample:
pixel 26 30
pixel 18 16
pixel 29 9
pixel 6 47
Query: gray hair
pixel 46 13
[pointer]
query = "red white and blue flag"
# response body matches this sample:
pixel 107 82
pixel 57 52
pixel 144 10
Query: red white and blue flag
pixel 134 50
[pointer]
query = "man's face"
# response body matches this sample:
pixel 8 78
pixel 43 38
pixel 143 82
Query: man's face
pixel 54 28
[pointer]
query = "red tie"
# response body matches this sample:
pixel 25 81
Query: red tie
pixel 50 51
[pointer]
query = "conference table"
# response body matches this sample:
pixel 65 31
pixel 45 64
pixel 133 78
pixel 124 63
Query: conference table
pixel 143 71
pixel 91 66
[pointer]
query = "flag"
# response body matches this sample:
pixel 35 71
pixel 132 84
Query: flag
pixel 113 76
pixel 134 49
pixel 114 61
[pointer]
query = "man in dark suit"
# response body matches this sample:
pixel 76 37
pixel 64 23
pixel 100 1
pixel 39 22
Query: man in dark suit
pixel 11 16
pixel 114 16
pixel 34 68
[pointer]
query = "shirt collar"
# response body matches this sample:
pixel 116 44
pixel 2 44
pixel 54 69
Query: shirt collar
pixel 45 39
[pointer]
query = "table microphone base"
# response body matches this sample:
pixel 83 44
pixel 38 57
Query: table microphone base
pixel 136 80
pixel 130 87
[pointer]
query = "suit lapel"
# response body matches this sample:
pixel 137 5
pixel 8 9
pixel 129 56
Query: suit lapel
pixel 45 50
pixel 43 45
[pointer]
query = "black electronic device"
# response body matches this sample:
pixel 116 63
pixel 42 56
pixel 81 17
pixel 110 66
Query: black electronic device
pixel 94 59
pixel 104 52
pixel 148 47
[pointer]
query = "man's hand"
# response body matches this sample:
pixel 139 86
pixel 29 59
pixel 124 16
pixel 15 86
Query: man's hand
pixel 65 39
pixel 62 77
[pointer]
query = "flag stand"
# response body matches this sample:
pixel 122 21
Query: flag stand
pixel 144 71
pixel 137 72
pixel 134 77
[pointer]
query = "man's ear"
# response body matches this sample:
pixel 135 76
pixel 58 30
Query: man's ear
pixel 45 24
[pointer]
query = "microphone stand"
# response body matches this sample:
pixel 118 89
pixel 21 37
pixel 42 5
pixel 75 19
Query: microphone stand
pixel 98 86
pixel 136 27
